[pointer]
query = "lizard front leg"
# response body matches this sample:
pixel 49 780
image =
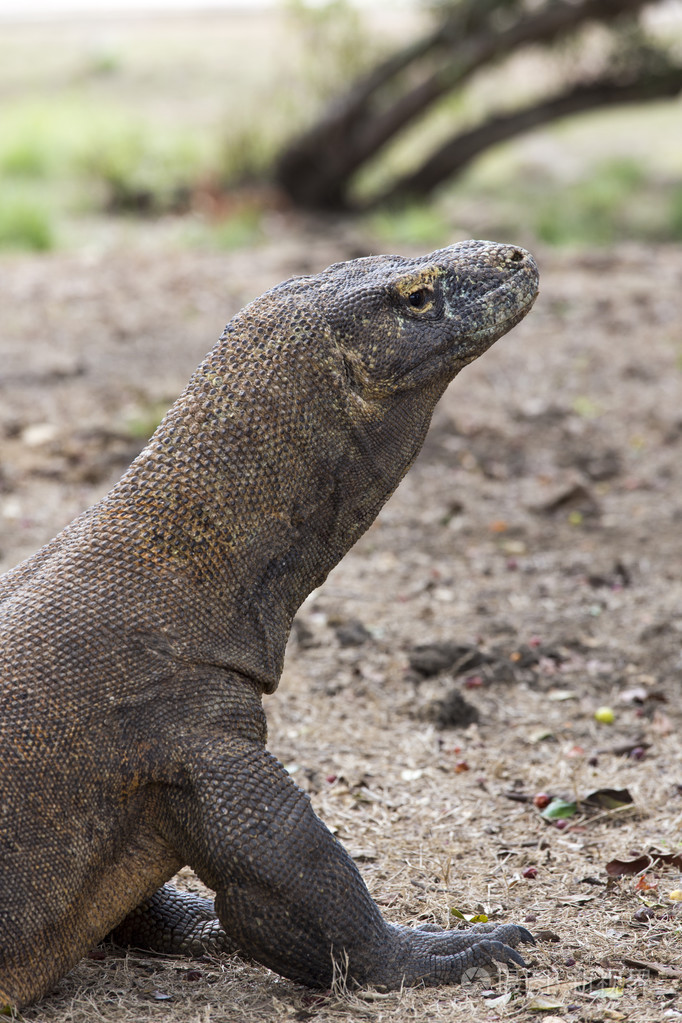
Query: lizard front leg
pixel 288 894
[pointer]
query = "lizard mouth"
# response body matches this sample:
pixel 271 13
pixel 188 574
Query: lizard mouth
pixel 482 339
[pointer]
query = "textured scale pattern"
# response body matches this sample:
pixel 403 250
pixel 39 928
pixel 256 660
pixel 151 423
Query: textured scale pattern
pixel 136 646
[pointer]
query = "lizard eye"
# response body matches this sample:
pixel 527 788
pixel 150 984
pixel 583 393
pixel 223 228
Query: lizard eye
pixel 418 298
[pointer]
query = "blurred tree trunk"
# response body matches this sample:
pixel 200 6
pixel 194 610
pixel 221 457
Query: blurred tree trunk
pixel 316 170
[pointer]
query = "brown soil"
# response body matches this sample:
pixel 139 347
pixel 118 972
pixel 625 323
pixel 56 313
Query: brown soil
pixel 538 535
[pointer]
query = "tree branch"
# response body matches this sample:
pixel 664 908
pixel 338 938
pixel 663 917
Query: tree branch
pixel 452 157
pixel 559 17
pixel 314 170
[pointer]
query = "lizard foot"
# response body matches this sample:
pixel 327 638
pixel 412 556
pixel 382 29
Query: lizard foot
pixel 444 957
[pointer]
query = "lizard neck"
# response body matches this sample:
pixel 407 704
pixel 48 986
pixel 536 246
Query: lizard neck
pixel 251 490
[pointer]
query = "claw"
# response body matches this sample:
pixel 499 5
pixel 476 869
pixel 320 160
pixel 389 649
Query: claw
pixel 513 935
pixel 515 957
pixel 525 936
pixel 499 952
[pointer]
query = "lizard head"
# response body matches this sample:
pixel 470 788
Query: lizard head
pixel 348 364
pixel 370 346
pixel 401 324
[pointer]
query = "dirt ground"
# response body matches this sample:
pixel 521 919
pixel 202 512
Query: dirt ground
pixel 533 553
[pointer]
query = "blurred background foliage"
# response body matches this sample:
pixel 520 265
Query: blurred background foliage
pixel 173 125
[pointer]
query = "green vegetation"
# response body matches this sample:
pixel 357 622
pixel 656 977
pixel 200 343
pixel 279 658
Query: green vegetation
pixel 418 225
pixel 676 213
pixel 595 209
pixel 81 156
pixel 237 229
pixel 142 424
pixel 161 118
pixel 24 223
pixel 611 201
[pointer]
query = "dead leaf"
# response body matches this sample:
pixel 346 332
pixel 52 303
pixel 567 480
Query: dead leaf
pixel 648 860
pixel 574 497
pixel 608 992
pixel 544 934
pixel 623 749
pixel 639 694
pixel 661 969
pixel 609 799
pixel 363 855
pixel 542 735
pixel 161 996
pixel 543 1003
pixel 624 868
pixel 498 1001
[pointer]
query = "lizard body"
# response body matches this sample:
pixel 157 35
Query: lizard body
pixel 136 646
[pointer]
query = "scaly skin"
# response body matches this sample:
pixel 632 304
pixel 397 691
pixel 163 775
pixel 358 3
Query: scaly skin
pixel 136 646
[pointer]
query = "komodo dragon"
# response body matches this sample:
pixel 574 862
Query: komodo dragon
pixel 136 646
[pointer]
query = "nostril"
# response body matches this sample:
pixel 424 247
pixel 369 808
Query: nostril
pixel 517 255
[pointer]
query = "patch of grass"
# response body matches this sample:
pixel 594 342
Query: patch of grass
pixel 131 158
pixel 24 224
pixel 593 210
pixel 141 424
pixel 611 201
pixel 103 60
pixel 248 148
pixel 104 137
pixel 31 141
pixel 241 229
pixel 89 156
pixel 418 224
pixel 25 157
pixel 675 214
